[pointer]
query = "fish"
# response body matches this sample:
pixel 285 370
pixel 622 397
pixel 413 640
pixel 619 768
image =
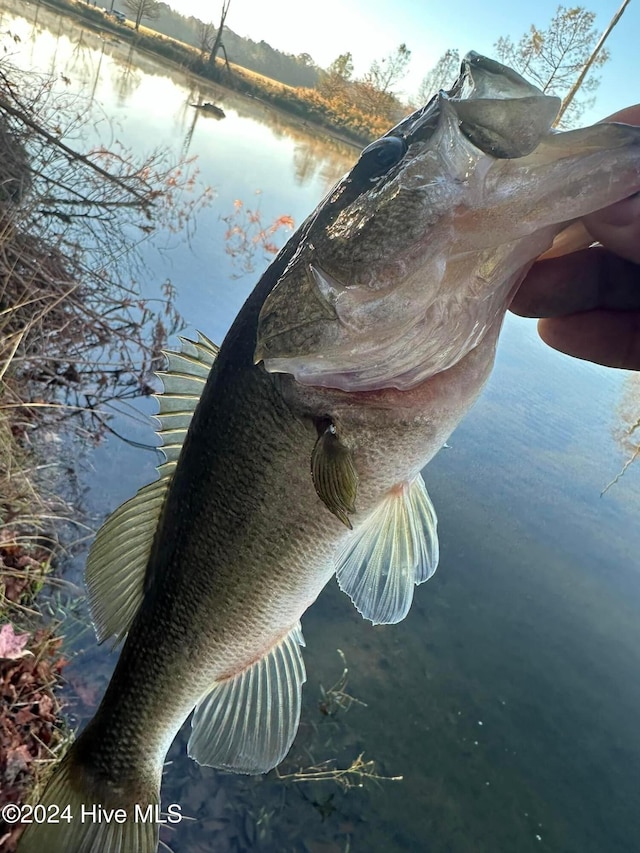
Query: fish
pixel 295 451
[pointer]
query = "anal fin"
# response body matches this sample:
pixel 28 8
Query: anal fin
pixel 247 723
pixel 395 549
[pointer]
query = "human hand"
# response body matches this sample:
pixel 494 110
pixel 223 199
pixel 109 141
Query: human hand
pixel 590 299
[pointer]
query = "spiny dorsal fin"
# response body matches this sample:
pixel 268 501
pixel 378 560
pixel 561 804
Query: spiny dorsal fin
pixel 247 723
pixel 395 549
pixel 118 558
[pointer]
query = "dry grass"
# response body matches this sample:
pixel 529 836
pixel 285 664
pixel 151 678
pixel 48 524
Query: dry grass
pixel 74 331
pixel 74 335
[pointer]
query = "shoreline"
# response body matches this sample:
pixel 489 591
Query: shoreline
pixel 33 727
pixel 54 297
pixel 306 105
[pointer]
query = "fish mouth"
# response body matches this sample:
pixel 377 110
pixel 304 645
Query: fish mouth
pixel 312 319
pixel 478 99
pixel 410 261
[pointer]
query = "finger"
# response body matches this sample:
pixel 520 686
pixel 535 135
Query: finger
pixel 629 115
pixel 571 239
pixel 582 281
pixel 618 227
pixel 605 337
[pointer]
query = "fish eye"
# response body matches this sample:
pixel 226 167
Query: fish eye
pixel 379 157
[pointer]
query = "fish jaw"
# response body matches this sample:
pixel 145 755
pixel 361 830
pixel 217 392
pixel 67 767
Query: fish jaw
pixel 404 278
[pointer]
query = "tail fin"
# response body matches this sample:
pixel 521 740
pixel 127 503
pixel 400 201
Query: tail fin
pixel 80 812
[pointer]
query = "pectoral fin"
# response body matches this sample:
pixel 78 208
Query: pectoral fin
pixel 394 550
pixel 334 475
pixel 247 723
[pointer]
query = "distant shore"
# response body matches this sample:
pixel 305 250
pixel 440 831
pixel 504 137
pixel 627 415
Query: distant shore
pixel 345 122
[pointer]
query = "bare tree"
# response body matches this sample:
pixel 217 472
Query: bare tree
pixel 553 57
pixel 442 76
pixel 306 60
pixel 374 93
pixel 73 318
pixel 206 36
pixel 217 43
pixel 139 9
pixel 373 102
pixel 335 80
pixel 385 73
pixel 342 66
pixel 566 103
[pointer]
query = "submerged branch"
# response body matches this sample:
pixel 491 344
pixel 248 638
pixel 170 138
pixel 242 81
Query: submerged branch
pixel 353 776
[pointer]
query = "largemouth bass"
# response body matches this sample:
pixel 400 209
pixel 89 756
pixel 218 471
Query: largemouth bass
pixel 357 354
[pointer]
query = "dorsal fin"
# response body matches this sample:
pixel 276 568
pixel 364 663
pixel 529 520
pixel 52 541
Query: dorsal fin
pixel 118 558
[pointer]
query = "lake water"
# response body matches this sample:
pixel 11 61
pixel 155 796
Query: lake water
pixel 509 698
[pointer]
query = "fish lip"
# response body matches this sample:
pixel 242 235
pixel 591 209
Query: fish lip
pixel 473 60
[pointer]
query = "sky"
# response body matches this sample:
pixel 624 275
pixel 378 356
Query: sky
pixel 371 29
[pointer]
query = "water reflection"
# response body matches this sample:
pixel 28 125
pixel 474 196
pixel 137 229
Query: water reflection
pixel 626 428
pixel 127 79
pixel 112 73
pixel 250 242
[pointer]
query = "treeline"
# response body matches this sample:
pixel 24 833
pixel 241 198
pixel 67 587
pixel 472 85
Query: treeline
pixel 256 56
pixel 364 107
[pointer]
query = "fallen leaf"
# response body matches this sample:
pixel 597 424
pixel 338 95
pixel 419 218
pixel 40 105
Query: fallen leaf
pixel 45 705
pixel 24 716
pixel 12 645
pixel 18 759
